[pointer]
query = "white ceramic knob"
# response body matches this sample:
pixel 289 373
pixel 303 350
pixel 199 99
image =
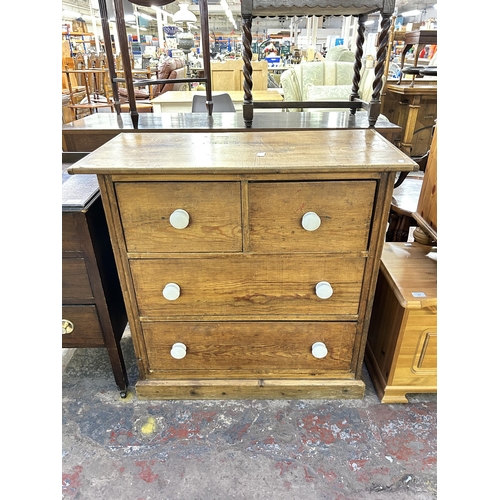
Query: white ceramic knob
pixel 319 350
pixel 178 350
pixel 311 221
pixel 172 291
pixel 179 218
pixel 324 290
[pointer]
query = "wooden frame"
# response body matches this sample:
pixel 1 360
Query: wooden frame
pixel 359 8
pixel 127 67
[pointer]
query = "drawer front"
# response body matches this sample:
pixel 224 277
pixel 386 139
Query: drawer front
pixel 75 280
pixel 70 237
pixel 253 347
pixel 248 285
pixel 344 209
pixel 214 210
pixel 87 331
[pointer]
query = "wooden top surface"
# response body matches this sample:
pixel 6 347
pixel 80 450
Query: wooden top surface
pixel 184 122
pixel 253 152
pixel 78 192
pixel 419 89
pixel 405 197
pixel 411 270
pixel 421 36
pixel 186 96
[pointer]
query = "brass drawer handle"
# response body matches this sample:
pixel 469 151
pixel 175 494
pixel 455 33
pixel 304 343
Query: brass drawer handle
pixel 311 221
pixel 319 350
pixel 179 219
pixel 324 290
pixel 67 326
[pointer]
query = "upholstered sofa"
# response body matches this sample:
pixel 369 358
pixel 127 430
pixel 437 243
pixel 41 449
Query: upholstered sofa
pixel 340 53
pixel 171 68
pixel 324 81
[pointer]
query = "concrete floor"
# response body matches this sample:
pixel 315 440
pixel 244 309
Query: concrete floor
pixel 130 449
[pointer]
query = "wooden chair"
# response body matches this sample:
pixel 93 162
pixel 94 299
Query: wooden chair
pixel 143 97
pixel 97 95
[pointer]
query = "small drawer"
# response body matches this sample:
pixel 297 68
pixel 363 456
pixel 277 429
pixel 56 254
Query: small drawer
pixel 248 285
pixel 84 328
pixel 254 347
pixel 70 236
pixel 181 216
pixel 75 280
pixel 338 216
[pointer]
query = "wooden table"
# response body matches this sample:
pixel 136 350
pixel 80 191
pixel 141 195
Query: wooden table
pixel 181 101
pixel 91 132
pixel 249 260
pixel 417 39
pixel 412 108
pixel 401 352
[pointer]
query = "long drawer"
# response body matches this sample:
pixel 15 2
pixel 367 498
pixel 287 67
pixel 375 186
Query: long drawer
pixel 248 285
pixel 212 347
pixel 87 330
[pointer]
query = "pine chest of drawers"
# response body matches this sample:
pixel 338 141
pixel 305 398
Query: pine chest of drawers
pixel 248 261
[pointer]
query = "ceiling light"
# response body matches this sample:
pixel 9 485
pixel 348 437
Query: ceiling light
pixel 411 13
pixel 145 16
pixel 184 15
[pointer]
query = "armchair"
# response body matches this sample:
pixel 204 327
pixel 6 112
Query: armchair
pixel 325 81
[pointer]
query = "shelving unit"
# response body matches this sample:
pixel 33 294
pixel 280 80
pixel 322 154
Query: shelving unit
pixel 79 38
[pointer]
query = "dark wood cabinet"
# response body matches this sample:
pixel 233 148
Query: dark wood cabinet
pixel 93 309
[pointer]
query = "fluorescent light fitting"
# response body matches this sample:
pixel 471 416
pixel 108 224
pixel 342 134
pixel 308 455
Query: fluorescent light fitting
pixel 368 23
pixel 146 16
pixel 411 13
pixel 70 14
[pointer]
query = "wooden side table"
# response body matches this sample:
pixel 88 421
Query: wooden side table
pixel 401 351
pixel 413 109
pixel 418 39
pixel 93 309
